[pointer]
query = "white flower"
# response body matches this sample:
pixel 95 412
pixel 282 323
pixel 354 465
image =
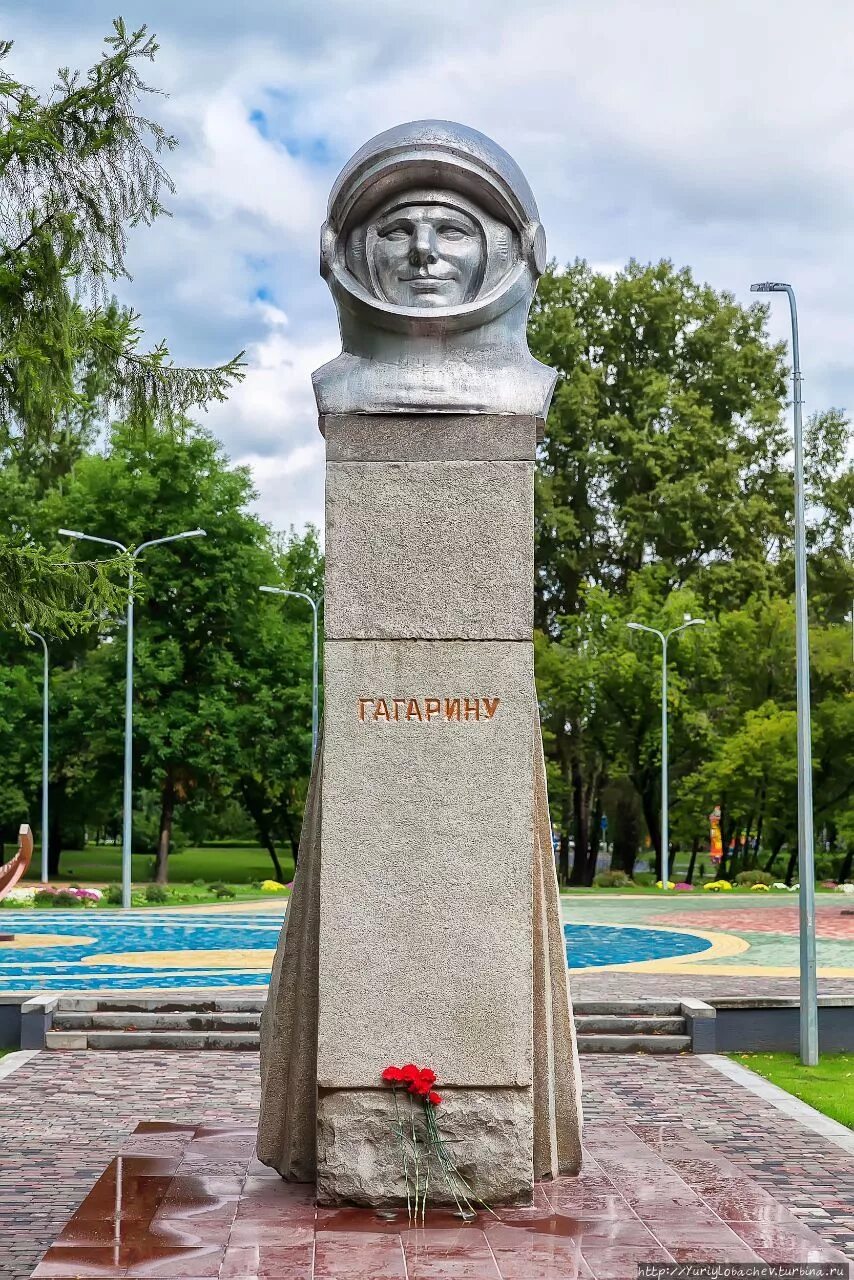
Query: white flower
pixel 845 888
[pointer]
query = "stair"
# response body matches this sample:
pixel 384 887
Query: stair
pixel 156 1022
pixel 183 1022
pixel 631 1026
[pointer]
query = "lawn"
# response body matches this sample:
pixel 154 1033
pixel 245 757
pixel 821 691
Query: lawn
pixel 232 863
pixel 829 1087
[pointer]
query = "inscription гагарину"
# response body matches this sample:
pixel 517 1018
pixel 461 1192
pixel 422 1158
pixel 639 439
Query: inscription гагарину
pixel 427 708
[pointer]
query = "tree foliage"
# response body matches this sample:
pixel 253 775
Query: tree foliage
pixel 79 168
pixel 222 673
pixel 665 488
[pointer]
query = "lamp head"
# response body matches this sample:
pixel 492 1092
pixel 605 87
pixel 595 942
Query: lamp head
pixel 768 286
pixel 273 591
pixel 71 533
pixel 634 626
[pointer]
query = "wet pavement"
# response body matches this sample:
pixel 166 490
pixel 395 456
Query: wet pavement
pixel 183 1202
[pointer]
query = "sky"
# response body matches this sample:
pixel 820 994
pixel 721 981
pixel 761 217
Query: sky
pixel 716 133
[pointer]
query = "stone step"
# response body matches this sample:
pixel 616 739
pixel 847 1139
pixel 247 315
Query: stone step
pixel 159 1040
pixel 633 1044
pixel 594 1024
pixel 628 1008
pixel 126 1020
pixel 161 1004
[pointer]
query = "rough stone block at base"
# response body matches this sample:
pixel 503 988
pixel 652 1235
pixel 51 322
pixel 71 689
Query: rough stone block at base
pixel 488 1131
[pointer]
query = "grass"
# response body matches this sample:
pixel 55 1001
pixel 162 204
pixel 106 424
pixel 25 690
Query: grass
pixel 829 1087
pixel 235 864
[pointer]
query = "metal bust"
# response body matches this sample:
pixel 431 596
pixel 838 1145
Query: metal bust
pixel 432 249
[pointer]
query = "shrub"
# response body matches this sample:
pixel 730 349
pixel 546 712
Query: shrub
pixel 611 880
pixel 684 886
pixel 199 884
pixel 19 896
pixel 57 898
pixel 272 886
pixel 644 878
pixel 754 877
pixel 717 886
pixel 670 884
pixel 760 888
pixel 224 891
pixel 156 893
pixel 114 895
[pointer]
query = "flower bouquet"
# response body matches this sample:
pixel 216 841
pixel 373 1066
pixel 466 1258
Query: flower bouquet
pixel 421 1144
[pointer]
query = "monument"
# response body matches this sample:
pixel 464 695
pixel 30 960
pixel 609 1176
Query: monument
pixel 424 924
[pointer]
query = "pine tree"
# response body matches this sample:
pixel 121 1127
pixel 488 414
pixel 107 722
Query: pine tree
pixel 79 168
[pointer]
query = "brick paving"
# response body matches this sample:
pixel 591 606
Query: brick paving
pixel 622 984
pixel 830 922
pixel 686 1150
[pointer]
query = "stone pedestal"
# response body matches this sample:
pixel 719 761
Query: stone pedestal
pixel 425 923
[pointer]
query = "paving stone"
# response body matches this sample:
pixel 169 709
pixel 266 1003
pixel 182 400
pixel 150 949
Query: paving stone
pixel 670 1122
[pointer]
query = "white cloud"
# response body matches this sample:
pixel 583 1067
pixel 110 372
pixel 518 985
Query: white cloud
pixel 646 130
pixel 270 422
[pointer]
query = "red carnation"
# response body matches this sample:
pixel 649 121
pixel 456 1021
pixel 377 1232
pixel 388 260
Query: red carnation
pixel 434 1098
pixel 409 1072
pixel 393 1075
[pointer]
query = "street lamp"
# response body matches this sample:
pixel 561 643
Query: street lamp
pixel 806 855
pixel 45 741
pixel 665 816
pixel 281 591
pixel 127 791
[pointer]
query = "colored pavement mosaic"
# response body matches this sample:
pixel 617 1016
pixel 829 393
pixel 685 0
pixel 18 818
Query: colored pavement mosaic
pixel 617 947
pixel 682 1164
pixel 753 951
pixel 141 949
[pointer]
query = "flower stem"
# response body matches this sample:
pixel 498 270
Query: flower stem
pixel 403 1154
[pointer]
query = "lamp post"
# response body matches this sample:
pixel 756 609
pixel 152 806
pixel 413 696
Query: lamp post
pixel 664 636
pixel 806 854
pixel 127 790
pixel 302 595
pixel 45 747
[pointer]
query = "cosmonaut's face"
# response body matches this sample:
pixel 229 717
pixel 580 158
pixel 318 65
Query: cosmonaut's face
pixel 427 255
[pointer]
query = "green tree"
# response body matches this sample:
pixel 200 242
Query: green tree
pixel 664 478
pixel 79 168
pixel 222 680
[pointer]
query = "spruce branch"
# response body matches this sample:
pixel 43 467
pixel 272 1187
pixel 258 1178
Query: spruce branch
pixel 42 590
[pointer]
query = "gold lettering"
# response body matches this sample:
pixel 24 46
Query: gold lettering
pixel 427 708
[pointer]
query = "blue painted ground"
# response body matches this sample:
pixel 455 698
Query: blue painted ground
pixel 589 946
pixel 55 968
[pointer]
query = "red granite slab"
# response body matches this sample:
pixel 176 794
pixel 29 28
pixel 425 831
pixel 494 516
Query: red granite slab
pixel 647 1193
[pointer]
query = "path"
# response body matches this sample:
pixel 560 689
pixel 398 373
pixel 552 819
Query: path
pixel 64 1117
